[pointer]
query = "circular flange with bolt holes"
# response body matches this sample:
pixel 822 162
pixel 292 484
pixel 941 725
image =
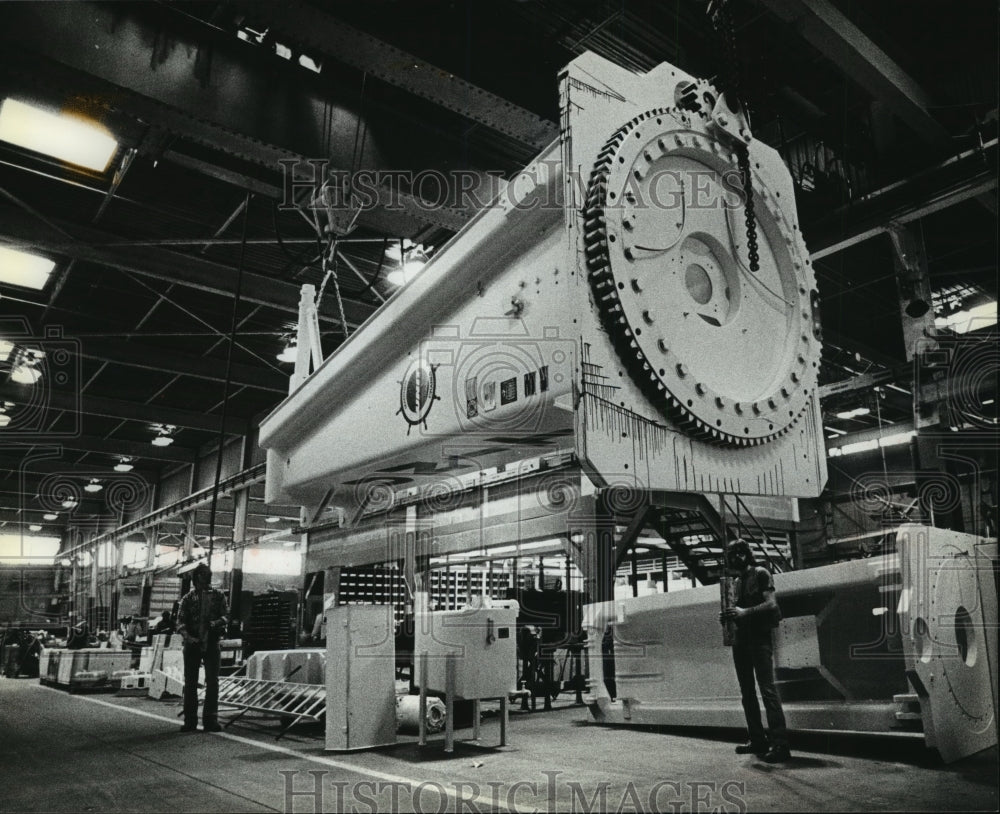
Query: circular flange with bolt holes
pixel 729 355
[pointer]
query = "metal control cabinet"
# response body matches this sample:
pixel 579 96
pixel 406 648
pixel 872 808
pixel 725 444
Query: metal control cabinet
pixel 360 677
pixel 484 641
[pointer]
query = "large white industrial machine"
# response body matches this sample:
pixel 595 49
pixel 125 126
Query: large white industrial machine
pixel 607 302
pixel 614 310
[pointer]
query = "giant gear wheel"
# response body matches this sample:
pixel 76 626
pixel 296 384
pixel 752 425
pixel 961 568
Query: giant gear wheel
pixel 729 355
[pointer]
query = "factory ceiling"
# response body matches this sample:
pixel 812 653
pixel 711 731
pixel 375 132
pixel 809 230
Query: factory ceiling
pixel 220 112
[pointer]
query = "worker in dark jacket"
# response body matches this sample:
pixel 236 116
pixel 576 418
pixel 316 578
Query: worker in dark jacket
pixel 756 614
pixel 201 621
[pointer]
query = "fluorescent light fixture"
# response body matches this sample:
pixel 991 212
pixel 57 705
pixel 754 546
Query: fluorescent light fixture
pixel 310 64
pixel 50 516
pixel 410 269
pixel 164 435
pixel 93 486
pixel 282 51
pixel 514 549
pixel 874 443
pixel 34 527
pixel 835 430
pixel 6 348
pixel 857 411
pixel 272 519
pixel 69 503
pixel 896 439
pixel 124 465
pixel 4 420
pixel 25 374
pixel 67 137
pixel 23 269
pixel 858 446
pixel 289 354
pixel 971 319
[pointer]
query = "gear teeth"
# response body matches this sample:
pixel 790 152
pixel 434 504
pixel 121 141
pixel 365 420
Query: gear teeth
pixel 605 290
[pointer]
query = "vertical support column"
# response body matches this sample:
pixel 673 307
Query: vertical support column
pixel 450 670
pixel 147 574
pixel 116 586
pixel 725 582
pixel 241 507
pixel 422 703
pixel 916 311
pixel 190 520
pixel 92 602
pixel 74 585
pixel 635 570
pixel 592 541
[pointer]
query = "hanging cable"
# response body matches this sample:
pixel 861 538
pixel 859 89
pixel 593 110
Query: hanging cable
pixel 234 321
pixel 330 273
pixel 302 259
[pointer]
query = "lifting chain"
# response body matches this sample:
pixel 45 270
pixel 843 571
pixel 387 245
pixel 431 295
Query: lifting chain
pixel 330 273
pixel 722 21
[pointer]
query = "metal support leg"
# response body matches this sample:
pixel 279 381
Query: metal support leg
pixel 449 703
pixel 422 707
pixel 503 720
pixel 475 719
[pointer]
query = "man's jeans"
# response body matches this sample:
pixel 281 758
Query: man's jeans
pixel 758 658
pixel 194 654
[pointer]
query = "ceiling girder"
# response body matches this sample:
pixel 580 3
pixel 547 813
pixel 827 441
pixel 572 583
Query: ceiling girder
pixel 956 180
pixel 204 89
pixel 335 38
pixel 838 39
pixel 130 410
pixel 114 446
pixel 20 229
pixel 168 361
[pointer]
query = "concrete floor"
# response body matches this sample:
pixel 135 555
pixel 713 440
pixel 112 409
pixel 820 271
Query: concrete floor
pixel 102 753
